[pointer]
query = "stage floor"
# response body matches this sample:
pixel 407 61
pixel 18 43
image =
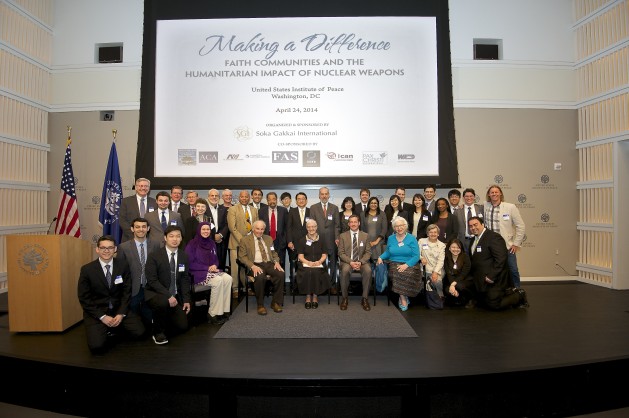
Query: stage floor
pixel 573 339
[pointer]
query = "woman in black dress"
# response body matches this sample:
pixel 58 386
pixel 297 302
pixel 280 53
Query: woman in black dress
pixel 312 275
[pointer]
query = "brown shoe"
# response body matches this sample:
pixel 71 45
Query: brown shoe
pixel 261 310
pixel 344 303
pixel 333 291
pixel 365 303
pixel 277 308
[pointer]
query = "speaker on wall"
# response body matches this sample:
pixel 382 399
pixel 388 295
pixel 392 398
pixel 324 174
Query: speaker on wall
pixel 109 54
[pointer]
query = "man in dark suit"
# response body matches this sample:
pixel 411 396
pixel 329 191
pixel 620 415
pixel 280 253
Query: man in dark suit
pixel 429 196
pixel 463 215
pixel 176 205
pixel 256 199
pixel 275 218
pixel 136 206
pixel 490 272
pixel 104 291
pixel 217 215
pixel 328 221
pixel 361 206
pixel 355 255
pixel 167 289
pixel 134 252
pixel 162 217
pixel 406 207
pixel 295 230
pixel 256 252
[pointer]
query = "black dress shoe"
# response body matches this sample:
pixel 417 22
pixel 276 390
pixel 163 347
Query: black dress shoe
pixel 216 320
pixel 308 305
pixel 524 303
pixel 315 305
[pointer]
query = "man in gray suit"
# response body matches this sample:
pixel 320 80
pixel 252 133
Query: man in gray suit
pixel 355 255
pixel 163 217
pixel 329 227
pixel 136 206
pixel 134 252
pixel 463 215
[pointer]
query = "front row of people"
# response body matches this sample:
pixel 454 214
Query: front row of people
pixel 109 287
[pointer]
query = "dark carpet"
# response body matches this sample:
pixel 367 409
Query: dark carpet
pixel 328 321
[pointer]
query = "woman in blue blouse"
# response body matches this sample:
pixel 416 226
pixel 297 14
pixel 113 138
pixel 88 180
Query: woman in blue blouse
pixel 404 268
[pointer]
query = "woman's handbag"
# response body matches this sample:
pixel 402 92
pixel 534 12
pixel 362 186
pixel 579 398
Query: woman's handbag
pixel 382 274
pixel 433 300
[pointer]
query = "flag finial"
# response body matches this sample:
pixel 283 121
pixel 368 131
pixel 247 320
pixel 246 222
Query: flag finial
pixel 69 135
pixel 114 132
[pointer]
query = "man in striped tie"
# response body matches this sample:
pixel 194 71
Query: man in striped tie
pixel 355 255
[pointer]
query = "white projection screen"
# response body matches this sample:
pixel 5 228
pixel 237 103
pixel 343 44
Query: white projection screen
pixel 293 100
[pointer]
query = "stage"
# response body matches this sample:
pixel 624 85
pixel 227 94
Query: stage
pixel 560 357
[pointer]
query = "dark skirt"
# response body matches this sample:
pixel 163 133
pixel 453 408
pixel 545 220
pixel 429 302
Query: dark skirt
pixel 312 280
pixel 408 282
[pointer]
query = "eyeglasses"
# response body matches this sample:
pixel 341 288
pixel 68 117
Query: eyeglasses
pixel 106 248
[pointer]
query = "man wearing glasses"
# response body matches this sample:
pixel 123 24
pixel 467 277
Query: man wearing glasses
pixel 104 291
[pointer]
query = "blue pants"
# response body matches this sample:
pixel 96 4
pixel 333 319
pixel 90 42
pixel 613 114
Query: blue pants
pixel 512 261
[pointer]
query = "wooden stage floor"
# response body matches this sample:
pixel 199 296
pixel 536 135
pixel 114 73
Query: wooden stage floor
pixel 563 356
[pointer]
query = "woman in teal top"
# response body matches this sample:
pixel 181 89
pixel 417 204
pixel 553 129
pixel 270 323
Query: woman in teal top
pixel 404 268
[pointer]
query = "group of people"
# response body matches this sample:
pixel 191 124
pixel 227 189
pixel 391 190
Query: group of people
pixel 171 249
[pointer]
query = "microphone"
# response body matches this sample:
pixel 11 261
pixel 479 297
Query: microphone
pixel 49 226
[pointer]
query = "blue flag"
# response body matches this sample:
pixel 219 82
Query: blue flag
pixel 110 200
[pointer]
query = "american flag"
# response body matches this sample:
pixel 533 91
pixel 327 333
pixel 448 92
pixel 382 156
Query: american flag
pixel 68 214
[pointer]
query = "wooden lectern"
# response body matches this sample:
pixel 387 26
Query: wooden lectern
pixel 42 273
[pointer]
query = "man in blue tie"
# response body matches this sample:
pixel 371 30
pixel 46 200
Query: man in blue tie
pixel 104 291
pixel 163 216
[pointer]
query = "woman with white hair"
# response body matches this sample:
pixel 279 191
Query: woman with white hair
pixel 404 269
pixel 433 256
pixel 312 274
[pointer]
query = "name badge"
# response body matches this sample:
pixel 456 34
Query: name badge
pixel 308 242
pixel 151 209
pixel 400 244
pixel 306 219
pixel 425 218
pixel 478 249
pixel 118 280
pixel 272 249
pixel 329 217
pixel 480 215
pixel 182 268
pixel 375 219
pixel 173 222
pixel 361 245
pixel 505 217
pixel 346 217
pixel 454 266
pixel 425 246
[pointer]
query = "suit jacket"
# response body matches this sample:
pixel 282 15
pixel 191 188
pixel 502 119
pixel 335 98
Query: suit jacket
pixel 221 222
pixel 328 227
pixel 247 250
pixel 461 217
pixel 345 247
pixel 452 226
pixel 262 205
pixel 129 210
pixel 154 219
pixel 489 259
pixel 295 230
pixel 424 220
pixel 280 221
pixel 431 208
pixel 94 294
pixel 157 271
pixel 183 210
pixel 237 223
pixel 511 223
pixel 127 251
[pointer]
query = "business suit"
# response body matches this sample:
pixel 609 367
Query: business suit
pixel 329 228
pixel 220 227
pixel 183 210
pixel 128 252
pixel 461 217
pixel 345 258
pixel 489 260
pixel 237 224
pixel 154 219
pixel 511 229
pixel 96 297
pixel 246 255
pixel 281 218
pixel 295 230
pixel 129 210
pixel 259 207
pixel 157 290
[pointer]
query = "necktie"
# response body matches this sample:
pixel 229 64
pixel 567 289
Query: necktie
pixel 173 275
pixel 325 210
pixel 176 207
pixel 265 257
pixel 164 224
pixel 192 211
pixel 108 275
pixel 354 247
pixel 273 225
pixel 467 222
pixel 301 215
pixel 248 219
pixel 142 263
pixel 474 244
pixel 142 208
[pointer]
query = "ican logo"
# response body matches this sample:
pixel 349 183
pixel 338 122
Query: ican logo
pixel 406 157
pixel 312 158
pixel 340 157
pixel 285 156
pixel 208 157
pixel 233 157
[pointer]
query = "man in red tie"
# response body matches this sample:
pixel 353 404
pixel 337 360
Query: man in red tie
pixel 276 218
